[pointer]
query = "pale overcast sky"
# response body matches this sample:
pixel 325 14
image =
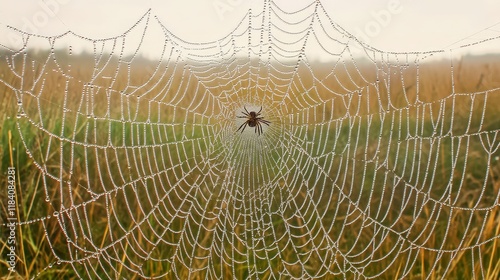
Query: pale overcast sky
pixel 411 26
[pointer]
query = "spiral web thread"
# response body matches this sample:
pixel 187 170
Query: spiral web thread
pixel 370 161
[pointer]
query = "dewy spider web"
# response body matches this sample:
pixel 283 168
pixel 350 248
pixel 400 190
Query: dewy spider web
pixel 370 162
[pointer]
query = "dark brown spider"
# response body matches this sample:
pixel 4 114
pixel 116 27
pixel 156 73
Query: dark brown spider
pixel 253 120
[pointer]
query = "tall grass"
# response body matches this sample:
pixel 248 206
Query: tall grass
pixel 134 202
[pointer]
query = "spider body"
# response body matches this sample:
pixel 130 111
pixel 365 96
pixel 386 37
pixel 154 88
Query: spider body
pixel 253 120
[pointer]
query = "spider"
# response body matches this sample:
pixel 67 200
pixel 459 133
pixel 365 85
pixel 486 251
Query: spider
pixel 253 120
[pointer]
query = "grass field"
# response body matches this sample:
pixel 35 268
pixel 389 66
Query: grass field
pixel 114 174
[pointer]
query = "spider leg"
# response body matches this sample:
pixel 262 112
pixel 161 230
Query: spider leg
pixel 247 113
pixel 261 119
pixel 242 116
pixel 258 113
pixel 244 125
pixel 257 131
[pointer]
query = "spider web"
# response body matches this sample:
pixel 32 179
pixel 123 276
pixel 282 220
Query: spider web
pixel 370 162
